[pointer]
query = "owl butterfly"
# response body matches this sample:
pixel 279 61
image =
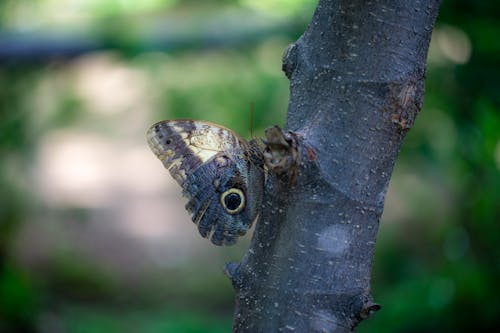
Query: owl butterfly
pixel 220 173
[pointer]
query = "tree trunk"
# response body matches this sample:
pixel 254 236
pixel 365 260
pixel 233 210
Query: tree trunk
pixel 356 84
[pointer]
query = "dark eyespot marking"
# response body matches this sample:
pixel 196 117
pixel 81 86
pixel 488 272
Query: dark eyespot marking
pixel 233 200
pixel 168 141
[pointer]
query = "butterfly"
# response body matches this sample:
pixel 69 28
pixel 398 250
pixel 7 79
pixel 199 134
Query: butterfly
pixel 221 175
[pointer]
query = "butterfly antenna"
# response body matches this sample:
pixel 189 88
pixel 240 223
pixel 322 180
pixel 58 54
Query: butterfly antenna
pixel 251 119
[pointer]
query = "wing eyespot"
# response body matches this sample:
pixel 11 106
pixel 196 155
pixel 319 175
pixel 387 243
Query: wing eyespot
pixel 233 200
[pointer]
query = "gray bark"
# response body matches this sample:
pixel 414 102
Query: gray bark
pixel 356 82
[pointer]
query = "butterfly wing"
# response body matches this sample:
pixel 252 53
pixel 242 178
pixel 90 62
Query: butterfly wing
pixel 222 182
pixel 183 145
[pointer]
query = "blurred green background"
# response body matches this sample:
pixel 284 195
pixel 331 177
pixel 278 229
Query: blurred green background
pixel 93 235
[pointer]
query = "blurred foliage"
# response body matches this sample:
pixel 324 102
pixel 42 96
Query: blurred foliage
pixel 103 320
pixel 437 259
pixel 18 300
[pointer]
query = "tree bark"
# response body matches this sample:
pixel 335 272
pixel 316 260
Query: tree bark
pixel 356 84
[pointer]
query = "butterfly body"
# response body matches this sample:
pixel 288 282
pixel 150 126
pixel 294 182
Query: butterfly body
pixel 220 173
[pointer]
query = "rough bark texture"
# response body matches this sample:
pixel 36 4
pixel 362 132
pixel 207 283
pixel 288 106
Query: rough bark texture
pixel 357 82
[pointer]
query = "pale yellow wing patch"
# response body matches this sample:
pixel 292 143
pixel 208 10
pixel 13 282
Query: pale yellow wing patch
pixel 182 145
pixel 208 139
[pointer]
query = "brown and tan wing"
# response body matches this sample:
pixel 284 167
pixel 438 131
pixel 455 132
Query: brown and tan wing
pixel 183 145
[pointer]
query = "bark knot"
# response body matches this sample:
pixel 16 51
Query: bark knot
pixel 289 60
pixel 281 154
pixel 405 101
